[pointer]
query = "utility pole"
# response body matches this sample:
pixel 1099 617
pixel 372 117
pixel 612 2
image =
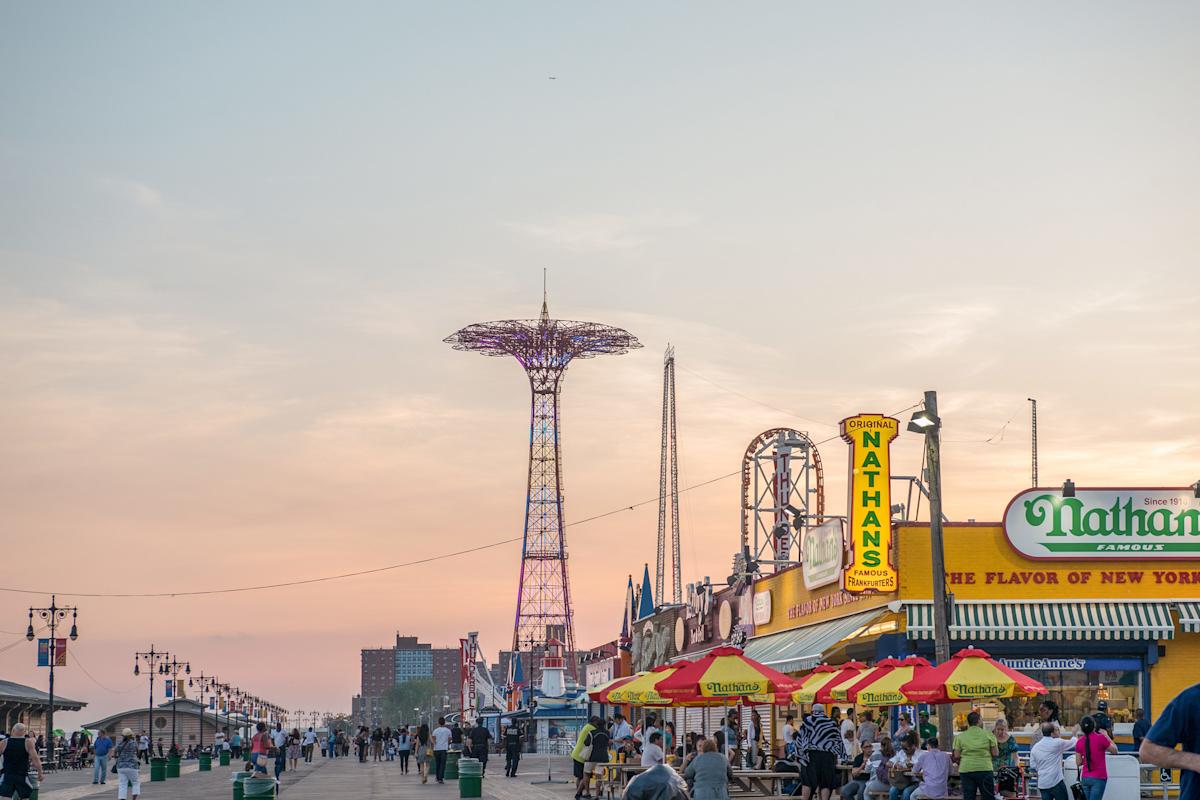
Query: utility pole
pixel 1035 475
pixel 52 616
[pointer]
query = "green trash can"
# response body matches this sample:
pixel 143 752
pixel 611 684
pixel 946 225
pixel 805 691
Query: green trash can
pixel 205 762
pixel 470 777
pixel 158 769
pixel 255 788
pixel 452 758
pixel 239 784
pixel 224 758
pixel 173 766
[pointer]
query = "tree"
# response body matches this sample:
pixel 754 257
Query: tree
pixel 399 701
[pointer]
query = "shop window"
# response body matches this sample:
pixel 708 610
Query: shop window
pixel 1077 692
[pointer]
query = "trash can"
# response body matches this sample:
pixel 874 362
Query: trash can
pixel 238 784
pixel 158 769
pixel 470 777
pixel 254 788
pixel 452 758
pixel 224 758
pixel 205 762
pixel 173 766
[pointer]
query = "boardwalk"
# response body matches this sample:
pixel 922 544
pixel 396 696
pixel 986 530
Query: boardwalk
pixel 323 779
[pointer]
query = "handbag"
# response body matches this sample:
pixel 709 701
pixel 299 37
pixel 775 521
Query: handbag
pixel 1077 792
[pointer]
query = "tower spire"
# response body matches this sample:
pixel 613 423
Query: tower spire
pixel 545 304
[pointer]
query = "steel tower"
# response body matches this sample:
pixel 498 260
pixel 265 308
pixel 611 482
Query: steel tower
pixel 668 464
pixel 544 348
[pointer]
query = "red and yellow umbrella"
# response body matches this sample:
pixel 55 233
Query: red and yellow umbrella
pixel 643 689
pixel 600 693
pixel 838 693
pixel 970 674
pixel 883 686
pixel 849 673
pixel 725 674
pixel 821 675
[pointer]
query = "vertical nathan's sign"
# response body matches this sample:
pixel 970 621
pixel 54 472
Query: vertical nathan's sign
pixel 870 507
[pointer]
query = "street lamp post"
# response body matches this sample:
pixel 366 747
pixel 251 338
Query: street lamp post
pixel 155 663
pixel 52 615
pixel 206 682
pixel 927 422
pixel 174 668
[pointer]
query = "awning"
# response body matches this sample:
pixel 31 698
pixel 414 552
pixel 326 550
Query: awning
pixel 1039 621
pixel 1189 617
pixel 802 648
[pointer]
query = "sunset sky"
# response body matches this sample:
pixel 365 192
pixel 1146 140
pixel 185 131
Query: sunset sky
pixel 233 237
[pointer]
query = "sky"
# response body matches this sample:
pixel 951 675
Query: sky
pixel 233 237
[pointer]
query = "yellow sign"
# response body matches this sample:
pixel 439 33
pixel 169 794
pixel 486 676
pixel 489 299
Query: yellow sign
pixel 870 508
pixel 794 605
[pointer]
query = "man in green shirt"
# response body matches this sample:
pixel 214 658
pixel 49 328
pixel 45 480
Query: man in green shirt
pixel 926 729
pixel 974 750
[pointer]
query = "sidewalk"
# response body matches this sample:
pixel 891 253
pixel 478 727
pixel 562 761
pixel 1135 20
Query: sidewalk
pixel 191 784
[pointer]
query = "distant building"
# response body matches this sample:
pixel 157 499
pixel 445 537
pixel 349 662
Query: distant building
pixel 408 660
pixel 20 703
pixel 189 715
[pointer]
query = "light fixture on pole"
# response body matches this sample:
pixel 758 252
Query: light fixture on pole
pixel 926 422
pixel 52 616
pixel 1196 489
pixel 154 666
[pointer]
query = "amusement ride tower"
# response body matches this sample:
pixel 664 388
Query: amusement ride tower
pixel 544 348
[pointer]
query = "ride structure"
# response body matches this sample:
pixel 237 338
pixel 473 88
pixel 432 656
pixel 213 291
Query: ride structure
pixel 668 465
pixel 544 348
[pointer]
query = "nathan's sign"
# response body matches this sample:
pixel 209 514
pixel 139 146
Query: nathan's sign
pixel 823 549
pixel 1105 523
pixel 869 509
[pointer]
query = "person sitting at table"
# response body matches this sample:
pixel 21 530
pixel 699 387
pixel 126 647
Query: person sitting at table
pixel 652 752
pixel 901 785
pixel 863 767
pixel 932 768
pixel 879 783
pixel 709 773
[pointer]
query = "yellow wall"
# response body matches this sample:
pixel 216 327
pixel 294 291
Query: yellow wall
pixel 980 565
pixel 793 606
pixel 1174 672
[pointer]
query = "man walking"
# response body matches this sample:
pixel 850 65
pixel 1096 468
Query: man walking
pixel 279 742
pixel 441 745
pixel 512 750
pixel 18 752
pixel 310 741
pixel 100 766
pixel 480 736
pixel 1046 756
pixel 144 747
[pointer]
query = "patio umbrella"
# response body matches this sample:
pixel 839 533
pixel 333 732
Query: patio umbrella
pixel 838 693
pixel 849 672
pixel 600 693
pixel 883 686
pixel 726 674
pixel 820 675
pixel 643 689
pixel 970 674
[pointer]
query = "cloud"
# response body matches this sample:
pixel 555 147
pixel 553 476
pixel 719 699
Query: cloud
pixel 600 232
pixel 941 330
pixel 133 192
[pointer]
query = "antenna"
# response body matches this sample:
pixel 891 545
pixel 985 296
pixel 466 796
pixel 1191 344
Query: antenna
pixel 1034 407
pixel 668 464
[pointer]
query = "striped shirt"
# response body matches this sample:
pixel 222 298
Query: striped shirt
pixel 820 733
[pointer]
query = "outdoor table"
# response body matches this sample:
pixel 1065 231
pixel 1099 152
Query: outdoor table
pixel 761 782
pixel 626 772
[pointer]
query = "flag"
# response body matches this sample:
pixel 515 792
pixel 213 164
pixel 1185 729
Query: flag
pixel 170 689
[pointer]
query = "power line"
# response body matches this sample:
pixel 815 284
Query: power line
pixel 389 567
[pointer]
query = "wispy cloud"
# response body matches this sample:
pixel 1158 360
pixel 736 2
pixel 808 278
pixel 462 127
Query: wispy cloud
pixel 133 192
pixel 592 232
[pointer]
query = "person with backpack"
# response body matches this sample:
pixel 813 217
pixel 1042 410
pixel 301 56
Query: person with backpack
pixel 580 755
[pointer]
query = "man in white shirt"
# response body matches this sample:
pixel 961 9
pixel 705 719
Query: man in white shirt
pixel 310 743
pixel 789 729
pixel 441 744
pixel 932 766
pixel 144 747
pixel 621 734
pixel 218 742
pixel 1046 756
pixel 652 752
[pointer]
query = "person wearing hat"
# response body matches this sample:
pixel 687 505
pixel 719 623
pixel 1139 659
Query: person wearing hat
pixel 129 781
pixel 820 742
pixel 926 729
pixel 1103 720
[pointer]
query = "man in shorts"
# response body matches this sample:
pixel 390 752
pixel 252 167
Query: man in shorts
pixel 18 752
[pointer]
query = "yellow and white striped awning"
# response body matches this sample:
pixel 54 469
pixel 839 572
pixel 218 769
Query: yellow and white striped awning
pixel 986 621
pixel 1189 617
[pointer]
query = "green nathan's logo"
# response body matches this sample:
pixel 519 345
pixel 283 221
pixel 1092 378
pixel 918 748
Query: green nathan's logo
pixel 1105 523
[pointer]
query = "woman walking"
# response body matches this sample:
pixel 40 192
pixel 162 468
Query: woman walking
pixel 403 748
pixel 293 748
pixel 129 781
pixel 424 746
pixel 1091 756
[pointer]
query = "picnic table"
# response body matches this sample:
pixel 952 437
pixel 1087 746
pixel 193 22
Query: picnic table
pixel 762 782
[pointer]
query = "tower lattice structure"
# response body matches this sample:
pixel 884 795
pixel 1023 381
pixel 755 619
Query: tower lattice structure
pixel 544 348
pixel 668 466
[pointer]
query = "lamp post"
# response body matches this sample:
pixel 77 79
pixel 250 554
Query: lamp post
pixel 173 668
pixel 206 682
pixel 927 422
pixel 155 663
pixel 52 615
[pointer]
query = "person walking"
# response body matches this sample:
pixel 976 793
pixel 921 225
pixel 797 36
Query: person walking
pixel 579 755
pixel 17 754
pixel 101 748
pixel 310 744
pixel 974 750
pixel 260 746
pixel 1091 756
pixel 1141 726
pixel 709 773
pixel 820 742
pixel 377 744
pixel 144 747
pixel 441 745
pixel 1178 724
pixel 293 749
pixel 1046 758
pixel 129 780
pixel 424 745
pixel 403 748
pixel 480 738
pixel 235 745
pixel 279 741
pixel 512 750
